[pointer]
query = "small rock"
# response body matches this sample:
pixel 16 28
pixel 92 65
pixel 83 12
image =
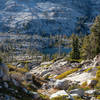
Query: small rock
pixel 62 84
pixel 79 92
pixel 5 85
pixel 90 92
pixel 59 93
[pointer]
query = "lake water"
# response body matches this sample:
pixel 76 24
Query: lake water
pixel 55 50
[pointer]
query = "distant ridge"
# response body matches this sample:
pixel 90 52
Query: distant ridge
pixel 46 16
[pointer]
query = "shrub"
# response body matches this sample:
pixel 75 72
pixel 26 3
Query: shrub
pixel 98 97
pixel 89 69
pixel 63 75
pixel 22 70
pixel 84 85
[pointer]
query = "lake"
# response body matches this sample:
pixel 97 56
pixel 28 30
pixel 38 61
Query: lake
pixel 54 50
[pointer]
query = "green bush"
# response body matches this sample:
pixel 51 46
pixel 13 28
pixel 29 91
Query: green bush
pixel 65 74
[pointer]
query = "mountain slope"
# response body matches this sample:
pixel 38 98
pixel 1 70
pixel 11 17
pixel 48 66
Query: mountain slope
pixel 45 16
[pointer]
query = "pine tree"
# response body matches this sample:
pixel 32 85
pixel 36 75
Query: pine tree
pixel 91 43
pixel 75 53
pixel 87 50
pixel 95 30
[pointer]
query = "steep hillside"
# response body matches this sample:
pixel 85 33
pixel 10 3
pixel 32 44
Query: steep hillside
pixel 45 16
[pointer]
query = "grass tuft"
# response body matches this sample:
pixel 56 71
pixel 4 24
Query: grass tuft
pixel 65 74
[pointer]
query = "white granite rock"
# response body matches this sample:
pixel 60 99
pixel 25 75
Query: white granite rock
pixel 62 84
pixel 59 93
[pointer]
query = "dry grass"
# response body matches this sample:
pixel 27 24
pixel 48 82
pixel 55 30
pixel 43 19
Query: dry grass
pixel 65 74
pixel 87 70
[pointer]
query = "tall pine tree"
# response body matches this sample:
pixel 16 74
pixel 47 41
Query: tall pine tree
pixel 75 53
pixel 95 30
pixel 91 43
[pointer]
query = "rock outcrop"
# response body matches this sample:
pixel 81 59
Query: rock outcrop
pixel 96 61
pixel 62 84
pixel 4 72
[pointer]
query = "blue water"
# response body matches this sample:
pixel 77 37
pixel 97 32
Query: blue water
pixel 55 50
